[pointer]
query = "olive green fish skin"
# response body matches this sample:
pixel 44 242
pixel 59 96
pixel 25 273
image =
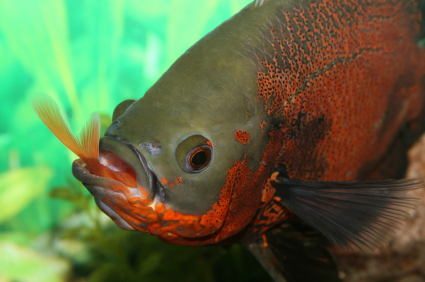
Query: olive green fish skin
pixel 210 91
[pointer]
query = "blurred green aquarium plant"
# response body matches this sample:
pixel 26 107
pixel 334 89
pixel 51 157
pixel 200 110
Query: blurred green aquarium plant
pixel 89 55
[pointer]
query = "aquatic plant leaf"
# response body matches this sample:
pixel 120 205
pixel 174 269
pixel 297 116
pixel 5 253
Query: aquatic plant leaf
pixel 48 56
pixel 77 197
pixel 62 193
pixel 110 272
pixel 105 122
pixel 105 32
pixel 20 186
pixel 149 264
pixel 178 24
pixel 18 263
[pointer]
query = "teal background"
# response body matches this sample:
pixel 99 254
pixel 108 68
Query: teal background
pixel 89 55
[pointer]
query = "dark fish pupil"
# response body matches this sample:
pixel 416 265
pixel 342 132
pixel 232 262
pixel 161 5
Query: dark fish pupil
pixel 199 158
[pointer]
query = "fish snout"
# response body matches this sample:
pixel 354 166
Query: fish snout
pixel 103 189
pixel 128 168
pixel 123 158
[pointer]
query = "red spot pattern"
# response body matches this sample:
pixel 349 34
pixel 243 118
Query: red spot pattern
pixel 244 195
pixel 242 136
pixel 344 77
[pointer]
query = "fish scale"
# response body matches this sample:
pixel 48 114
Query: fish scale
pixel 355 57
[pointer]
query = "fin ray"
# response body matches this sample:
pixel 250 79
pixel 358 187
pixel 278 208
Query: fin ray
pixel 88 138
pixel 86 145
pixel 351 214
pixel 48 111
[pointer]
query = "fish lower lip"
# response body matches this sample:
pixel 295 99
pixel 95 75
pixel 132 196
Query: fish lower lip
pixel 83 174
pixel 101 187
pixel 98 193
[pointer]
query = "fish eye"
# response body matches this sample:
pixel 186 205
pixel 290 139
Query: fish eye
pixel 194 154
pixel 199 158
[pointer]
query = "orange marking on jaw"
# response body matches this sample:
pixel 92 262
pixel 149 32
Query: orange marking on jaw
pixel 242 136
pixel 171 226
pixel 209 143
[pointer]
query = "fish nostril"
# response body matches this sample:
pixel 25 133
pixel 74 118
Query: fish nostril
pixel 152 148
pixel 116 124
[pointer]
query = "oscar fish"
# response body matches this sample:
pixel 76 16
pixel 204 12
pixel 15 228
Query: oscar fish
pixel 283 129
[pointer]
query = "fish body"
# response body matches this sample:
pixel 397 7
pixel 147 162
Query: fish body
pixel 275 115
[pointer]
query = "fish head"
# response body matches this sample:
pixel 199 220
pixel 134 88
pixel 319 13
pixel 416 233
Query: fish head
pixel 179 142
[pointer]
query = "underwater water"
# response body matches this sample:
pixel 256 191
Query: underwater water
pixel 89 56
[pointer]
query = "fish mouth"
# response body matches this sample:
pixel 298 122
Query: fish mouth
pixel 123 159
